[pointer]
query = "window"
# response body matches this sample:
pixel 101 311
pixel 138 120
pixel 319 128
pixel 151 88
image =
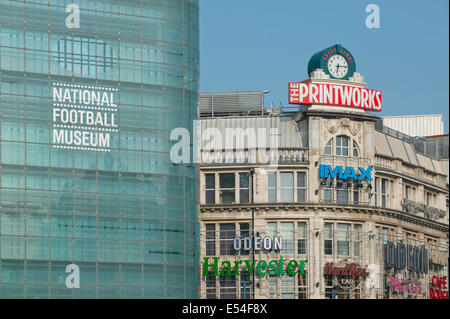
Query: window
pixel 328 148
pixel 356 239
pixel 244 187
pixel 301 187
pixel 342 145
pixel 227 234
pixel 407 191
pixel 384 194
pixel 342 192
pixel 227 184
pixel 210 188
pixel 287 286
pixel 343 239
pixel 228 287
pixel 355 150
pixel 328 238
pixel 272 231
pixel 210 287
pixel 302 238
pixel 273 286
pixel 287 237
pixel 272 187
pixel 302 286
pixel 356 192
pixel 246 285
pixel 286 187
pixel 376 190
pixel 210 239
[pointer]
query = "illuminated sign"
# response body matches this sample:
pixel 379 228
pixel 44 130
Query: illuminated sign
pixel 257 243
pixel 351 270
pixel 437 284
pixel 408 285
pixel 349 172
pixel 407 256
pixel 334 94
pixel 262 267
pixel 83 117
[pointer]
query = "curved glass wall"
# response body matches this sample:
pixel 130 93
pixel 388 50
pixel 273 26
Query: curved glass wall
pixel 91 205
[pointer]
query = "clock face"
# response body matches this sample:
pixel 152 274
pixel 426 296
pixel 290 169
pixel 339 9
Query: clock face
pixel 338 66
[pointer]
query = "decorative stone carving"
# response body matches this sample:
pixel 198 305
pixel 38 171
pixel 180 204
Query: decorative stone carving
pixel 319 74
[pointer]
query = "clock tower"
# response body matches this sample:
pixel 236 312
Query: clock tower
pixel 336 61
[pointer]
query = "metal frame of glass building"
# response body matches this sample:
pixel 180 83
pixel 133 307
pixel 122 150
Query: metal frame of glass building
pixel 125 214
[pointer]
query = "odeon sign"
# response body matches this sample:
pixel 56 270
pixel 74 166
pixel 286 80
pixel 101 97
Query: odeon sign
pixel 401 256
pixel 349 172
pixel 258 243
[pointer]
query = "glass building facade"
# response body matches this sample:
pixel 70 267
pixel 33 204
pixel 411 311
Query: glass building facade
pixel 90 91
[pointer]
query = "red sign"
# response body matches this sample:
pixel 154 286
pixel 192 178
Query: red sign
pixel 348 270
pixel 334 94
pixel 438 283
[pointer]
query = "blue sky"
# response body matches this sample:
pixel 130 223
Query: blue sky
pixel 264 44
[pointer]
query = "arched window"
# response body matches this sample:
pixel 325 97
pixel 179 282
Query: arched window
pixel 355 149
pixel 329 148
pixel 342 145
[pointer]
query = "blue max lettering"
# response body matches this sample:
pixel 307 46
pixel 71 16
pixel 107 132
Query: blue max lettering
pixel 349 172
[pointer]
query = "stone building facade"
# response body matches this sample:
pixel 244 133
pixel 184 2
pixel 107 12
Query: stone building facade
pixel 273 188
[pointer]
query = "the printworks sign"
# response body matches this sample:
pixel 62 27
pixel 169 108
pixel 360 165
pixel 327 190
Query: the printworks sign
pixel 334 94
pixel 340 172
pixel 338 64
pixel 84 117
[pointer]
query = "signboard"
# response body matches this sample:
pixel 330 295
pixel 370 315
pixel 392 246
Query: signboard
pixel 267 243
pixel 349 172
pixel 334 94
pixel 261 267
pixel 438 289
pixel 83 117
pixel 401 256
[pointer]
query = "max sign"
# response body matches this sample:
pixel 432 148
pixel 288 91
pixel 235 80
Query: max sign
pixel 334 94
pixel 349 172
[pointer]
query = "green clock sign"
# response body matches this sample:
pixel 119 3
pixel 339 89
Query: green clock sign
pixel 336 61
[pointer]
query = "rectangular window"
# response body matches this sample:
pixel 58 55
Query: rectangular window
pixel 244 187
pixel 228 287
pixel 246 285
pixel 356 192
pixel 376 190
pixel 302 286
pixel 273 286
pixel 342 146
pixel 407 191
pixel 342 192
pixel 287 286
pixel 356 239
pixel 301 241
pixel 301 187
pixel 272 187
pixel 210 188
pixel 286 187
pixel 227 234
pixel 210 239
pixel 343 239
pixel 328 238
pixel 227 188
pixel 287 237
pixel 210 287
pixel 384 195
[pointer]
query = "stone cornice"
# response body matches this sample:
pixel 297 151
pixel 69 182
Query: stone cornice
pixel 399 215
